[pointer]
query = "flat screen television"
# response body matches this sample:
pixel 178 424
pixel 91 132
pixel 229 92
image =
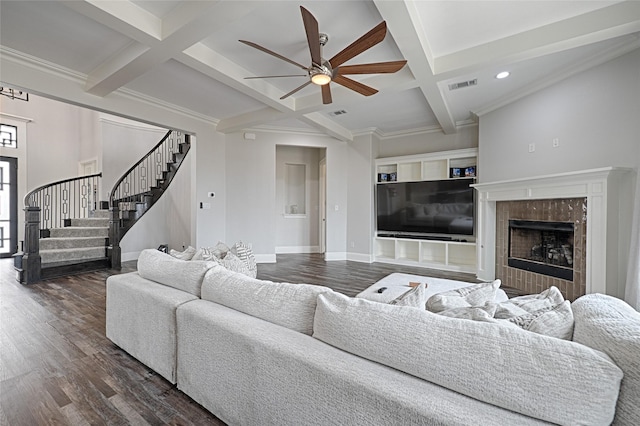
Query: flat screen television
pixel 440 208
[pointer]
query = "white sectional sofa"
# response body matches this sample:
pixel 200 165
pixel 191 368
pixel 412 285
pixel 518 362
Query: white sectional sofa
pixel 255 352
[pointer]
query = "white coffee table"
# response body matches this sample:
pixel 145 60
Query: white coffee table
pixel 397 284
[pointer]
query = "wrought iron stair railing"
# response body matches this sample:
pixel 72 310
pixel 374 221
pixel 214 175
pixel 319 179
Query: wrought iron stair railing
pixel 49 206
pixel 141 187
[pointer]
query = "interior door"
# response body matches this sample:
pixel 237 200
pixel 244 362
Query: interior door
pixel 8 206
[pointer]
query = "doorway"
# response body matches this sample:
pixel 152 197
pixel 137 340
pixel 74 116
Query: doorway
pixel 8 206
pixel 322 194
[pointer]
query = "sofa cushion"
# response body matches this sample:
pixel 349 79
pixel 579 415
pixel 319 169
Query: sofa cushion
pixel 546 378
pixel 612 326
pixel 475 295
pixel 166 269
pixel 289 305
pixel 141 319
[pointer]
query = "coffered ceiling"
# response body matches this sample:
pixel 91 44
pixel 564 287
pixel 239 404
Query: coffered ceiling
pixel 186 54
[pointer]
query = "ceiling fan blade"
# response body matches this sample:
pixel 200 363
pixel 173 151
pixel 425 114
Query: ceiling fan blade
pixel 374 68
pixel 313 35
pixel 277 76
pixel 363 89
pixel 326 94
pixel 270 52
pixel 370 39
pixel 296 89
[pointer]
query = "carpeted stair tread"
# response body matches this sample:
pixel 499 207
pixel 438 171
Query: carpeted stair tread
pixel 72 254
pixel 79 231
pixel 90 222
pixel 66 243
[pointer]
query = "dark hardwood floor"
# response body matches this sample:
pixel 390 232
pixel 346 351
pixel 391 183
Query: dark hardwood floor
pixel 58 368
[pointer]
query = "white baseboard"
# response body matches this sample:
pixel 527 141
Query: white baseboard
pixel 297 249
pixel 265 258
pixel 335 255
pixel 360 257
pixel 133 255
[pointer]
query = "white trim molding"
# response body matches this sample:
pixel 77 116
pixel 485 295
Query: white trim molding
pixel 608 194
pixel 297 249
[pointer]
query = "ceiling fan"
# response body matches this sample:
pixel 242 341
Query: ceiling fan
pixel 322 72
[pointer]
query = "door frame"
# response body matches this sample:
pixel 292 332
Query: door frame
pixel 13 205
pixel 322 213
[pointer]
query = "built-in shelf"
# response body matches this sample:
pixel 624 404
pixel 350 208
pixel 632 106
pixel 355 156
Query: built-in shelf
pixel 446 255
pixel 437 254
pixel 434 166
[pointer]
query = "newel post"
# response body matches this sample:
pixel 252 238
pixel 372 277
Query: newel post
pixel 31 261
pixel 114 236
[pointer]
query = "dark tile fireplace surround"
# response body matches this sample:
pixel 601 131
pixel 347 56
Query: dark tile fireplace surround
pixel 542 243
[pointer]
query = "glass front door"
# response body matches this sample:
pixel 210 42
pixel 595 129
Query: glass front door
pixel 8 206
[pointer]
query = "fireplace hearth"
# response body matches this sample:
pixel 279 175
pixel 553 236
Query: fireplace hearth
pixel 542 247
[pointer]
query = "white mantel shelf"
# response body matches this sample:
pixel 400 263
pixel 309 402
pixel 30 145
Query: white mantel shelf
pixel 608 191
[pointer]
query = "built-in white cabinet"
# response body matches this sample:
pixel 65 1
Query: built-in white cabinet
pixel 447 255
pixel 458 254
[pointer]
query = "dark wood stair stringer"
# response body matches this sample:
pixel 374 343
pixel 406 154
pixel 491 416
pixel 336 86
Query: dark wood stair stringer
pixel 127 209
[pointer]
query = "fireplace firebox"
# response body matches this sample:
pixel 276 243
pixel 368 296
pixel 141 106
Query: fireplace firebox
pixel 542 247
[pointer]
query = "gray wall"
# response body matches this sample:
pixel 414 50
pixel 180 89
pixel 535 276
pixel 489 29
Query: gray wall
pixel 251 190
pixel 595 115
pixel 299 234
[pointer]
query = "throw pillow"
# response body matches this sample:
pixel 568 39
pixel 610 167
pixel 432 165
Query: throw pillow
pixel 198 254
pixel 187 254
pixel 476 313
pixel 245 253
pixel 555 321
pixel 475 295
pixel 521 305
pixel 415 297
pixel 220 250
pixel 233 263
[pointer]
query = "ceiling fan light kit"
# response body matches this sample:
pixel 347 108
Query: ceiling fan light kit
pixel 321 72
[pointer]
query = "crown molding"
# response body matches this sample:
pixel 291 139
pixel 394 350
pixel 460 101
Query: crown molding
pixel 59 71
pixel 628 44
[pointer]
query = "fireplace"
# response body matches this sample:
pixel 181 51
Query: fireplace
pixel 599 204
pixel 542 247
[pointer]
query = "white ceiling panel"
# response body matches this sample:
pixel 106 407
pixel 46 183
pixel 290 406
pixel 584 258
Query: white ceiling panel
pixel 187 54
pixel 57 34
pixel 175 83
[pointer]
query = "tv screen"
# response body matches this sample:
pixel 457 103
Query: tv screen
pixel 442 207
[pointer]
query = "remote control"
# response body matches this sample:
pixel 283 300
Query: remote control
pixel 381 289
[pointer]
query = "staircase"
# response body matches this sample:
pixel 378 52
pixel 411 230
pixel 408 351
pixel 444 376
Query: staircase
pixel 79 246
pixel 66 234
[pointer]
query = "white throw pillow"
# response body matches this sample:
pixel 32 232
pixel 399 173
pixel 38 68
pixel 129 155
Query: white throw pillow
pixel 187 254
pixel 521 305
pixel 415 297
pixel 245 253
pixel 220 250
pixel 475 295
pixel 233 263
pixel 555 321
pixel 476 313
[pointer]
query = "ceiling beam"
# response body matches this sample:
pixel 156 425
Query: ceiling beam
pixel 213 64
pixel 407 30
pixel 599 25
pixel 185 26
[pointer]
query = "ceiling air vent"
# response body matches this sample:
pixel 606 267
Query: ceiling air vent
pixel 339 112
pixel 463 84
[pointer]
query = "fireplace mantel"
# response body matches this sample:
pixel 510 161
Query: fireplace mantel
pixel 608 192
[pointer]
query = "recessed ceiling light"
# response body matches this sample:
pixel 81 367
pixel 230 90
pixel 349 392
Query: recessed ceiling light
pixel 503 74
